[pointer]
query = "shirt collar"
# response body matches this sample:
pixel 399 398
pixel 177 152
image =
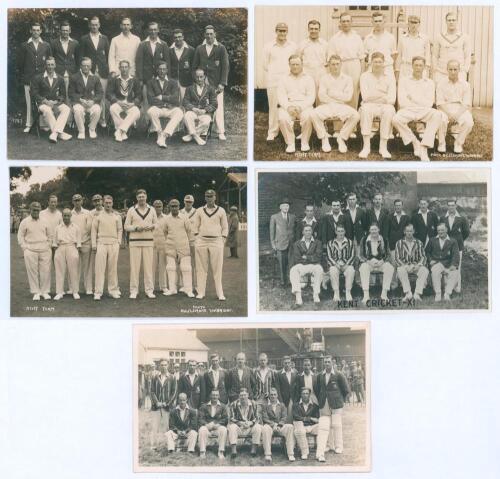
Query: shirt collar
pixel 270 403
pixel 441 239
pixel 211 405
pixel 302 402
pixel 126 79
pixel 33 41
pixel 184 45
pixel 305 220
pixel 211 369
pixel 304 240
pixel 158 40
pixel 456 214
pixel 422 213
pixel 284 372
pixel 215 43
pixel 46 75
pixel 159 79
pixel 402 214
pixel 179 408
pixel 68 40
pixel 287 43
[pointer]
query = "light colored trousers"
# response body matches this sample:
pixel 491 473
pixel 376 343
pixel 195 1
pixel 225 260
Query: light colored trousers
pixel 209 250
pixel 79 113
pixel 104 83
pixel 159 425
pixel 219 114
pixel 38 266
pixel 85 266
pixel 192 436
pixel 430 116
pixel 286 431
pixel 347 271
pixel 66 258
pixel 299 270
pixel 385 112
pixel 330 430
pixel 465 124
pixel 106 254
pixel 343 112
pixel 160 266
pixel 56 125
pixel 422 273
pixel 174 115
pixel 353 69
pixel 458 286
pixel 27 97
pixel 132 115
pixel 234 431
pixel 367 268
pixel 142 254
pixel 286 125
pixel 196 124
pixel 300 431
pixel 186 272
pixel 204 432
pixel 272 99
pixel 450 278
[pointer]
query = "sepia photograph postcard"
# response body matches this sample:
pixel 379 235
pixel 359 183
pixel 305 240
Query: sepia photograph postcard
pixel 138 83
pixel 374 240
pixel 128 242
pixel 247 398
pixel 398 82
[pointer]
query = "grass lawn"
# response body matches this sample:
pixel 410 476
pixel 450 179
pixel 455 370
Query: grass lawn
pixel 474 295
pixel 478 147
pixel 22 146
pixel 354 429
pixel 234 282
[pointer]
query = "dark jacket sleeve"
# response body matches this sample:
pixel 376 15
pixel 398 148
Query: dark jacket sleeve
pixel 455 253
pixel 172 98
pixel 202 415
pixel 110 91
pixel 137 93
pixel 73 94
pixel 193 423
pixel 35 90
pixel 212 100
pixel 296 413
pixel 224 66
pixel 139 62
pixel 465 228
pixel 344 386
pixel 150 92
pixel 62 98
pixel 315 256
pixel 295 256
pixel 187 102
pixel 98 91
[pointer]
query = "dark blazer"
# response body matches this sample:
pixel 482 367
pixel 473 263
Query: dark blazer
pixel 170 93
pixel 220 416
pixel 181 68
pixel 66 61
pixel 98 56
pixel 190 422
pixel 397 230
pixel 113 93
pixel 41 89
pixel 216 65
pixel 31 62
pixel 365 252
pixel 164 394
pixel 301 384
pixel 382 222
pixel 287 390
pixel 448 256
pixel 234 384
pixel 270 417
pixel 206 101
pixel 328 227
pixel 301 413
pixel 299 227
pixel 78 91
pixel 460 229
pixel 355 230
pixel 221 387
pixel 335 392
pixel 195 392
pixel 146 63
pixel 423 231
pixel 281 231
pixel 312 254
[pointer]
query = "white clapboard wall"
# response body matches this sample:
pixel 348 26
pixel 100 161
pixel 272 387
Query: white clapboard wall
pixel 476 21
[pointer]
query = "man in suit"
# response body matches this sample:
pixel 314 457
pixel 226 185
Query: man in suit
pixel 307 379
pixel 397 224
pixel 181 61
pixel 287 385
pixel 123 47
pixel 275 423
pixel 124 94
pixel 212 57
pixel 281 229
pixel 95 46
pixel 355 220
pixel 333 391
pixel 31 58
pixel 49 91
pixel 85 93
pixel 66 52
pixel 240 377
pixel 264 379
pixel 379 215
pixel 215 379
pixel 444 260
pixel 340 257
pixel 425 222
pixel 328 223
pixel 458 228
pixel 200 102
pixel 308 220
pixel 305 421
pixel 191 384
pixel 183 423
pixel 163 98
pixel 306 259
pixel 212 419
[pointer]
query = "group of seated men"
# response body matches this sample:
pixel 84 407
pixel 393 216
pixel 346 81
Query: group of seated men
pixel 318 81
pixel 179 83
pixel 394 244
pixel 257 403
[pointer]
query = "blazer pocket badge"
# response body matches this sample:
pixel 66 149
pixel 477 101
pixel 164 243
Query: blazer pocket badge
pixel 186 64
pixel 217 63
pixel 197 389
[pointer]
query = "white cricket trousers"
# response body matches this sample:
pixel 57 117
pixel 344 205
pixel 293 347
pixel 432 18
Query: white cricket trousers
pixel 79 113
pixel 38 266
pixel 56 124
pixel 66 259
pixel 352 68
pixel 209 251
pixel 286 431
pixel 160 266
pixel 132 115
pixel 174 116
pixel 104 83
pixel 367 268
pixel 385 112
pixel 299 270
pixel 85 266
pixel 142 254
pixel 345 113
pixel 27 97
pixel 330 429
pixel 272 100
pixel 465 124
pixel 431 117
pixel 450 279
pixel 422 274
pixel 106 254
pixel 219 114
pixel 234 431
pixel 204 433
pixel 300 432
pixel 286 125
pixel 159 425
pixel 336 271
pixel 196 124
pixel 192 436
pixel 186 272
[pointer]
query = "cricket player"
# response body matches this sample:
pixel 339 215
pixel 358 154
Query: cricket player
pixel 65 51
pixel 212 420
pixel 35 239
pixel 82 218
pixel 123 47
pixel 314 52
pixel 51 215
pixel 189 211
pixel 140 224
pixel 67 242
pixel 181 61
pixel 210 230
pixel 305 415
pixel 183 422
pixel 106 237
pixel 340 257
pixel 97 201
pixel 380 40
pixel 159 256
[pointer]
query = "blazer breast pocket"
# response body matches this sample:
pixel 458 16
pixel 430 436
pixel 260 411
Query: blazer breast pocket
pixel 217 63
